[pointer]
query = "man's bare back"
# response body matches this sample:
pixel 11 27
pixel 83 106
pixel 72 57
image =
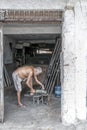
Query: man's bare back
pixel 24 71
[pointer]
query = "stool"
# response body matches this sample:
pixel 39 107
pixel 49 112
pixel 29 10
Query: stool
pixel 37 98
pixel 45 99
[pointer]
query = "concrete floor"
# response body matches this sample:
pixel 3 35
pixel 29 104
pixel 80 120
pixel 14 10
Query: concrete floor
pixel 34 117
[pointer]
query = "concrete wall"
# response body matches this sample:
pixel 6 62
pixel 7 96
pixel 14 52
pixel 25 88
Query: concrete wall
pixel 81 54
pixel 75 52
pixel 8 55
pixel 1 76
pixel 32 30
pixel 32 4
pixel 68 84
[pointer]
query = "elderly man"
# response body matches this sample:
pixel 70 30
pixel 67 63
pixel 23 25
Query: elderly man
pixel 26 73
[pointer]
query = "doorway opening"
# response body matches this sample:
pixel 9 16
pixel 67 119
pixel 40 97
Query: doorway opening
pixel 37 50
pixel 37 46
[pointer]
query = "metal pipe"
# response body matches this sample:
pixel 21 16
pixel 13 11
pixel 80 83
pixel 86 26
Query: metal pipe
pixel 54 59
pixel 52 73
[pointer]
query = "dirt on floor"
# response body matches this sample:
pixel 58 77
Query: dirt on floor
pixel 34 116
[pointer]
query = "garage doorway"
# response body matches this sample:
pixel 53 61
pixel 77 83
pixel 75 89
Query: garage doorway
pixel 34 48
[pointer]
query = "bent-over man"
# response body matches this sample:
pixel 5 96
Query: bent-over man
pixel 25 73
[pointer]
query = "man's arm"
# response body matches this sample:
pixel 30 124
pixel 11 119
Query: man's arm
pixel 38 82
pixel 28 82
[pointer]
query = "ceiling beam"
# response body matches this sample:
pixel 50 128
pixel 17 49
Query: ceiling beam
pixel 32 30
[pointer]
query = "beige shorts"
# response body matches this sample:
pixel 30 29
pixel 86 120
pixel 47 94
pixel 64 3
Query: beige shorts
pixel 17 82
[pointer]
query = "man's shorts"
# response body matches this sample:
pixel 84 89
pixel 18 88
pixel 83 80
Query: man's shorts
pixel 17 82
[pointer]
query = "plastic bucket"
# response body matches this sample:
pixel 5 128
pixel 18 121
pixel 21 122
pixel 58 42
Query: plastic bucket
pixel 57 91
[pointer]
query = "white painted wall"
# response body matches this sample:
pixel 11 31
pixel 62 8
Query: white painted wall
pixel 1 77
pixel 8 55
pixel 32 4
pixel 81 54
pixel 68 112
pixel 75 55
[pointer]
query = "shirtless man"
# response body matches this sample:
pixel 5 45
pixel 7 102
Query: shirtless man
pixel 25 73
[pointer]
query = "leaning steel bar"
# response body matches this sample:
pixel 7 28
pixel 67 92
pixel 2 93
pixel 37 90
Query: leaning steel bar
pixel 53 67
pixel 53 74
pixel 51 63
pixel 53 79
pixel 52 83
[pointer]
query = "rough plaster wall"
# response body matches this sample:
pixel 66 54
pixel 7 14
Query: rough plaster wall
pixel 68 86
pixel 1 76
pixel 32 4
pixel 75 53
pixel 8 55
pixel 81 53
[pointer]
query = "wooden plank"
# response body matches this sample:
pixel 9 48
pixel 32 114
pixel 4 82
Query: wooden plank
pixel 1 76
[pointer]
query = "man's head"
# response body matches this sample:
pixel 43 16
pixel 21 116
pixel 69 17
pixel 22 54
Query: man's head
pixel 38 70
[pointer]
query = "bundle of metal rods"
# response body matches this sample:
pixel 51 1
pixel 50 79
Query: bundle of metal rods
pixel 53 72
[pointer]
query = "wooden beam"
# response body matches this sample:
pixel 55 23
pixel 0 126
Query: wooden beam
pixel 30 16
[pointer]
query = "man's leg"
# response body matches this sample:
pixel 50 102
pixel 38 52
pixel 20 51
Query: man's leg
pixel 18 88
pixel 19 98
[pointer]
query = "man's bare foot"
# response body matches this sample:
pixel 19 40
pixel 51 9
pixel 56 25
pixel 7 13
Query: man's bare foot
pixel 21 105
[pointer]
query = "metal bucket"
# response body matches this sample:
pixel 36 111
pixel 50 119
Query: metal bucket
pixel 57 91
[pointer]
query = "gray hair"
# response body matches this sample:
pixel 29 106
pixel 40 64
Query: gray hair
pixel 39 69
